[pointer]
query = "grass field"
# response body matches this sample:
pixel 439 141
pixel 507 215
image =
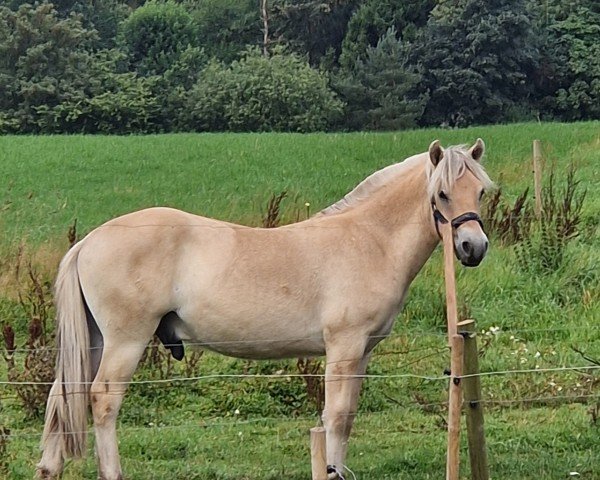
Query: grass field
pixel 540 425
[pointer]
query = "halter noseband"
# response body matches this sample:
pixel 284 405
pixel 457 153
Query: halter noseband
pixel 456 222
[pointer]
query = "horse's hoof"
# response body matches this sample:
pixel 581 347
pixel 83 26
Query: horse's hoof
pixel 44 474
pixel 333 473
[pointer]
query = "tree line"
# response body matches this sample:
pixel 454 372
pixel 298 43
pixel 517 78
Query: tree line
pixel 109 66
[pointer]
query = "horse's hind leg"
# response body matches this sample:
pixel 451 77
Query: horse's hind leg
pixel 117 366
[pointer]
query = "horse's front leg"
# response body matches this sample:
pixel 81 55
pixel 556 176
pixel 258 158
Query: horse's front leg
pixel 343 380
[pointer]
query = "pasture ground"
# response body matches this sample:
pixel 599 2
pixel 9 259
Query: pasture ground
pixel 541 425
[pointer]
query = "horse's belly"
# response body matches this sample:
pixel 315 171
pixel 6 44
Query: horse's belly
pixel 255 337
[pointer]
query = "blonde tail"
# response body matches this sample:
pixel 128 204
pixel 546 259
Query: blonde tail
pixel 65 429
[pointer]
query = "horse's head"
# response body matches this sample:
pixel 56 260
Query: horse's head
pixel 456 184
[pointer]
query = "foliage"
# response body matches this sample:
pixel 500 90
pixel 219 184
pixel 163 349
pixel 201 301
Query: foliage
pixel 156 35
pixel 313 27
pixel 477 58
pixel 572 56
pixel 104 16
pixel 374 18
pixel 543 249
pixel 508 223
pixel 226 27
pixel 471 61
pixel 44 60
pixel 261 94
pixel 380 91
pixel 33 360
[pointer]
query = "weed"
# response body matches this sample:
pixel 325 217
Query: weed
pixel 544 249
pixel 272 217
pixel 508 223
pixel 38 360
pixel 313 370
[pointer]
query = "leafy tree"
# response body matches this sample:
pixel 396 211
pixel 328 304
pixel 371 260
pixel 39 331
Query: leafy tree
pixel 313 27
pixel 373 19
pixel 43 62
pixel 104 16
pixel 570 74
pixel 53 82
pixel 257 93
pixel 156 35
pixel 227 27
pixel 380 91
pixel 478 59
pixel 114 101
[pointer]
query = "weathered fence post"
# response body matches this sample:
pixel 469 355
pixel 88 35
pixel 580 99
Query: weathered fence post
pixel 454 407
pixel 472 398
pixel 537 176
pixel 456 361
pixel 318 453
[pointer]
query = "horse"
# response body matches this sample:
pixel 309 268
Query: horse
pixel 330 285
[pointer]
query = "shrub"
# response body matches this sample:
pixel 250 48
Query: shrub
pixel 257 93
pixel 45 60
pixel 156 34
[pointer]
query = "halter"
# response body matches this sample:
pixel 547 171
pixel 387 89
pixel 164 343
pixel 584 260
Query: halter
pixel 456 222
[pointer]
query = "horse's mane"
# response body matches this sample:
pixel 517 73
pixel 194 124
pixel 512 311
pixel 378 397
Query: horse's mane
pixel 455 162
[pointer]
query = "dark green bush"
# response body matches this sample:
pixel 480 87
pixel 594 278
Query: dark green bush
pixel 257 93
pixel 156 35
pixel 44 62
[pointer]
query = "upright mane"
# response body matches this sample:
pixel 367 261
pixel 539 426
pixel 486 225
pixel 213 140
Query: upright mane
pixel 455 162
pixel 453 165
pixel 371 184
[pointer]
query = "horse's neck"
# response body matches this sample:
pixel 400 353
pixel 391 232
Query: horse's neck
pixel 400 215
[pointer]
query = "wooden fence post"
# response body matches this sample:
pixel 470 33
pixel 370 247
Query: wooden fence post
pixel 454 407
pixel 472 398
pixel 318 453
pixel 456 362
pixel 537 176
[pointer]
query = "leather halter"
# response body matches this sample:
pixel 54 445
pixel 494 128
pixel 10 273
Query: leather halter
pixel 456 222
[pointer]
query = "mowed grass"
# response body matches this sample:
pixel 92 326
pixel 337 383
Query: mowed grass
pixel 539 424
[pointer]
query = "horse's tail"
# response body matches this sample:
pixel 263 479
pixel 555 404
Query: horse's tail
pixel 66 413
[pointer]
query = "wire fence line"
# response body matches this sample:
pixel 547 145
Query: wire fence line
pixel 233 422
pixel 333 377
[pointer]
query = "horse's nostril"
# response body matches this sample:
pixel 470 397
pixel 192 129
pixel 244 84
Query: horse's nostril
pixel 466 246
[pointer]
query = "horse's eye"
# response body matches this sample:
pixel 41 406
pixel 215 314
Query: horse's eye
pixel 443 196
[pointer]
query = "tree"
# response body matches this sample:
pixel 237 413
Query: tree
pixel 256 93
pixel 380 91
pixel 44 61
pixel 478 59
pixel 227 27
pixel 373 19
pixel 570 74
pixel 312 27
pixel 156 35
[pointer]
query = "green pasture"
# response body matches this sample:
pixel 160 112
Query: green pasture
pixel 48 181
pixel 541 424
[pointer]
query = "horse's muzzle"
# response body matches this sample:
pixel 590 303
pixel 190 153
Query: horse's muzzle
pixel 470 251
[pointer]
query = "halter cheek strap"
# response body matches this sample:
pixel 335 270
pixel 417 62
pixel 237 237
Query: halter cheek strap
pixel 456 222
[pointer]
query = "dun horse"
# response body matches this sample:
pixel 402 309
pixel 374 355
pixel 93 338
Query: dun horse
pixel 330 285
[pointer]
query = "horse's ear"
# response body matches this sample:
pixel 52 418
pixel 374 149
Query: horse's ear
pixel 477 150
pixel 436 152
